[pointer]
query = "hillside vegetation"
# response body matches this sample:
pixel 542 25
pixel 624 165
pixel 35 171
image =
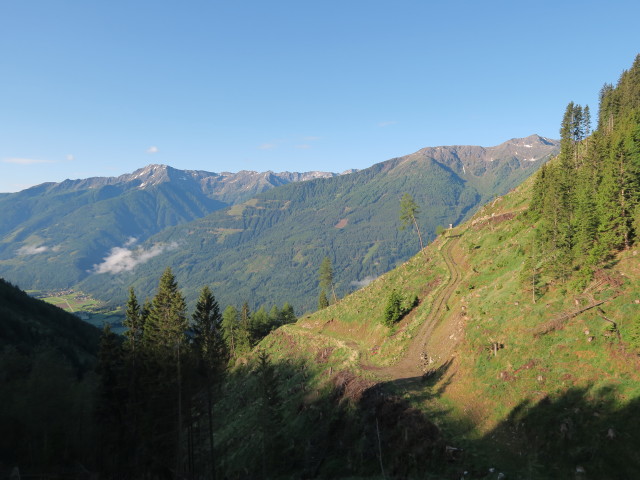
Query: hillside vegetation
pixel 508 364
pixel 47 384
pixel 268 250
pixel 520 386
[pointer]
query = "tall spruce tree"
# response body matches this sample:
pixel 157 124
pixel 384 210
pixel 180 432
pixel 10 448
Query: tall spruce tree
pixel 165 345
pixel 134 373
pixel 207 328
pixel 326 277
pixel 260 325
pixel 166 325
pixel 230 329
pixel 409 216
pixel 133 321
pixel 209 347
pixel 245 340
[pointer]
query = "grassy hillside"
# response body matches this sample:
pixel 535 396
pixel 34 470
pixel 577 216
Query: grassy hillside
pixel 532 389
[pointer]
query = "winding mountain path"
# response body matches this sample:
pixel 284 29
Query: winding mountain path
pixel 411 364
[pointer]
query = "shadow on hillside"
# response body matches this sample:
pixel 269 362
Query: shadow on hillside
pixel 351 428
pixel 348 428
pixel 420 388
pixel 582 433
pixel 407 441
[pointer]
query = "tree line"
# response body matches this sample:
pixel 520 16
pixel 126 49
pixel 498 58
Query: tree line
pixel 156 393
pixel 586 204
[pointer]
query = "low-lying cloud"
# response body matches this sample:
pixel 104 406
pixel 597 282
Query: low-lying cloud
pixel 121 259
pixel 364 282
pixel 32 249
pixel 130 241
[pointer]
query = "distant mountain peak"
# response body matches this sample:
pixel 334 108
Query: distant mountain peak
pixel 465 159
pixel 531 140
pixel 150 175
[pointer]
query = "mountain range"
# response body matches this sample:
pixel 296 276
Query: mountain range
pixel 243 232
pixel 76 221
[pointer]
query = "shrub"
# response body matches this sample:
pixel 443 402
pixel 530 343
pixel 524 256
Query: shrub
pixel 397 307
pixel 393 310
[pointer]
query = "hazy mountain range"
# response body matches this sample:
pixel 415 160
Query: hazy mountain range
pixel 239 231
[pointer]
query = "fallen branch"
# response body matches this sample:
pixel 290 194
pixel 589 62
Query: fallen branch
pixel 559 322
pixel 614 325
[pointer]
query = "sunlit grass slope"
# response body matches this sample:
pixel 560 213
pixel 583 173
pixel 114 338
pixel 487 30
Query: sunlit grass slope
pixel 520 372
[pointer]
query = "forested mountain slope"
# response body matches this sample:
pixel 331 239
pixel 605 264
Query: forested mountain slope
pixel 268 250
pixel 29 324
pixel 47 384
pixel 53 234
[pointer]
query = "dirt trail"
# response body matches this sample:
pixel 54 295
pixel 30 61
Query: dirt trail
pixel 411 365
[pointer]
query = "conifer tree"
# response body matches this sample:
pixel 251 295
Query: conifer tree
pixel 209 348
pixel 585 220
pixel 409 216
pixel 260 325
pixel 134 322
pixel 275 318
pixel 207 328
pixel 165 346
pixel 288 314
pixel 244 331
pixel 245 316
pixel 567 134
pixel 577 124
pixel 586 121
pixel 135 368
pixel 326 277
pixel 144 313
pixel 615 202
pixel 323 301
pixel 166 325
pixel 230 329
pixel 538 192
pixel 393 310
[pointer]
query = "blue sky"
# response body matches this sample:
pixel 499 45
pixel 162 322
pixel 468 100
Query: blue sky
pixel 100 88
